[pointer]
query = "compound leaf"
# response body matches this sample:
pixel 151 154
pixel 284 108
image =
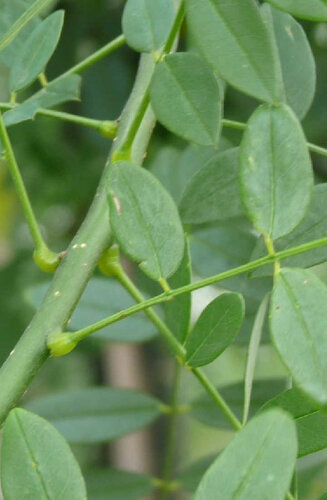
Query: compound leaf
pixel 147 24
pixel 215 329
pixel 258 463
pixel 298 326
pixel 145 220
pixel 235 40
pixel 186 98
pixel 47 467
pixel 275 171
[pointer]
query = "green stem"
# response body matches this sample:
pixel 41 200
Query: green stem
pixel 108 128
pixel 171 434
pixel 164 297
pixel 242 126
pixel 96 56
pixel 42 251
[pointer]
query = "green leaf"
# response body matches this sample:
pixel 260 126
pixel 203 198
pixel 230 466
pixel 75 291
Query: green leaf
pixel 46 465
pixel 313 10
pixel 311 228
pixel 297 65
pixel 178 311
pixel 186 98
pixel 10 12
pixel 37 50
pixel 145 220
pixel 258 463
pixel 97 414
pixel 64 89
pixel 275 171
pixel 102 298
pixel 147 24
pixel 298 327
pixel 323 497
pixel 190 477
pixel 235 41
pixel 215 330
pixel 252 354
pixel 206 411
pixel 113 484
pixel 213 192
pixel 310 422
pixel 27 16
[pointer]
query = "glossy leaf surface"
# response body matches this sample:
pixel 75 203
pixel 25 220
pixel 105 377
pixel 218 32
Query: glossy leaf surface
pixel 258 463
pixel 147 24
pixel 186 98
pixel 236 42
pixel 215 330
pixel 145 220
pixel 36 52
pixel 65 89
pixel 46 465
pixel 97 414
pixel 314 10
pixel 298 327
pixel 213 193
pixel 275 171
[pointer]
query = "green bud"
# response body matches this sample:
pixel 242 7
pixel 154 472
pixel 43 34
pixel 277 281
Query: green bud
pixel 60 344
pixel 109 264
pixel 46 260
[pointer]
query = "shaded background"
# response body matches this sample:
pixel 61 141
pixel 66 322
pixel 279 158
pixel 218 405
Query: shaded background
pixel 61 165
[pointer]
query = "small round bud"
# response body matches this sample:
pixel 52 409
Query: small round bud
pixel 60 344
pixel 46 260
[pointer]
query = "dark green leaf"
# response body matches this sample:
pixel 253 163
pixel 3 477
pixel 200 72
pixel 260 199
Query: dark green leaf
pixel 147 24
pixel 213 192
pixel 65 89
pixel 178 311
pixel 46 465
pixel 206 411
pixel 145 220
pixel 97 414
pixel 215 330
pixel 235 41
pixel 10 12
pixel 186 98
pixel 258 463
pixel 298 70
pixel 310 422
pixel 313 10
pixel 113 484
pixel 313 226
pixel 191 476
pixel 298 327
pixel 275 171
pixel 36 52
pixel 102 298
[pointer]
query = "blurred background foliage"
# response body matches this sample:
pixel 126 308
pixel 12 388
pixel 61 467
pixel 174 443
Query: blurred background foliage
pixel 61 164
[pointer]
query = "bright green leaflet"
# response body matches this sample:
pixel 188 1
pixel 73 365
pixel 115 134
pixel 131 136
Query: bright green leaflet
pixel 311 228
pixel 313 10
pixel 113 484
pixel 178 311
pixel 147 23
pixel 205 410
pixel 275 171
pixel 97 414
pixel 36 52
pixel 310 422
pixel 215 329
pixel 258 463
pixel 57 92
pixel 213 193
pixel 298 69
pixel 186 98
pixel 101 298
pixel 145 220
pixel 43 475
pixel 10 12
pixel 224 32
pixel 298 326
